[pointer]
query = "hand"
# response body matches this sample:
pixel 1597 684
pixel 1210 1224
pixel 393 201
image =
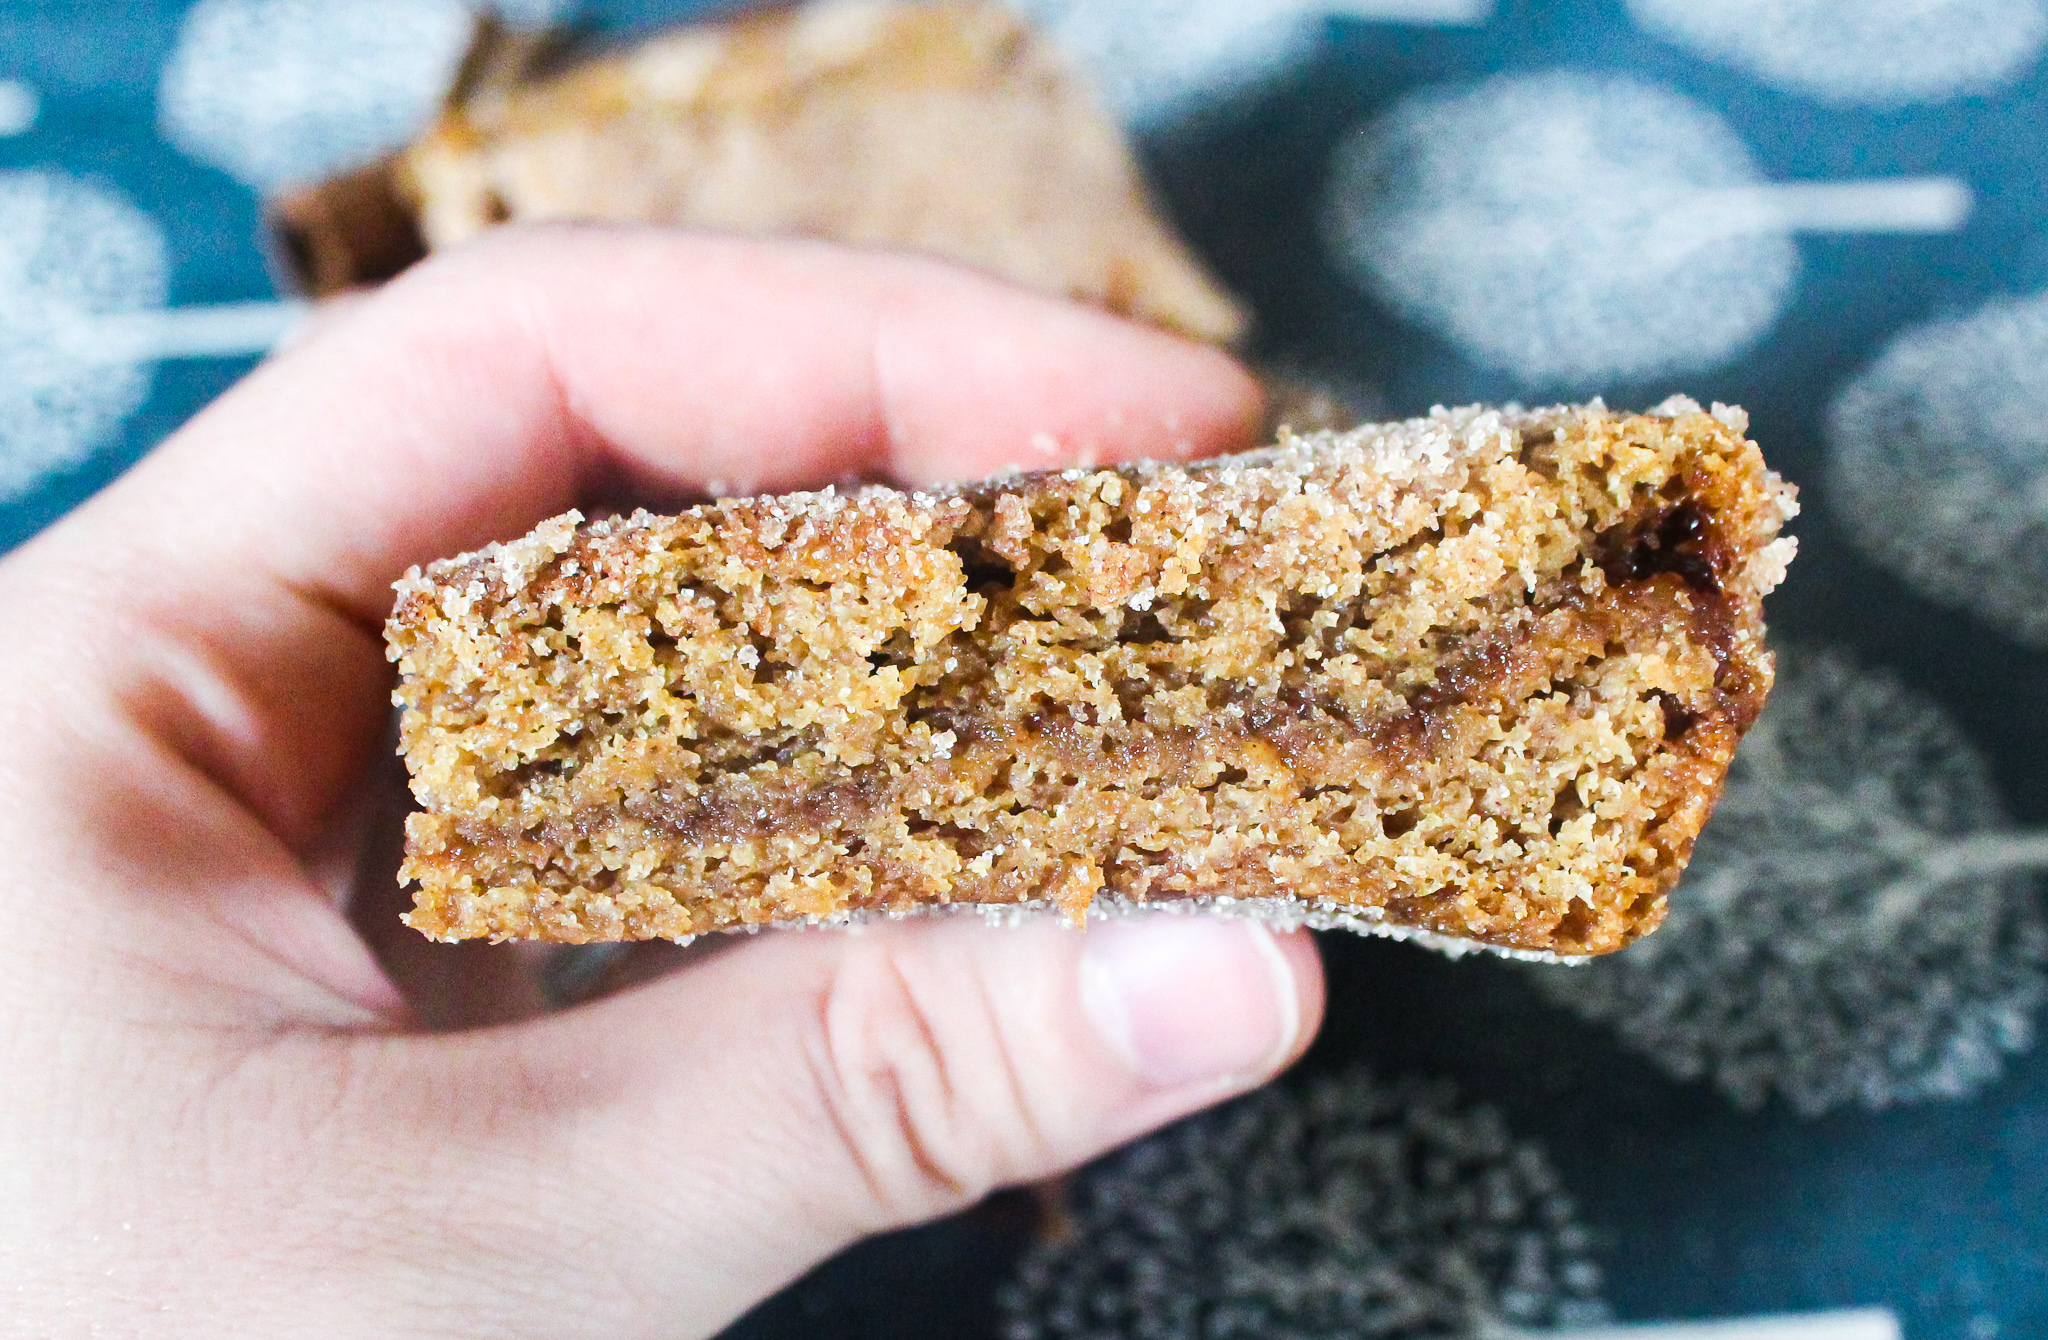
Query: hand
pixel 220 1116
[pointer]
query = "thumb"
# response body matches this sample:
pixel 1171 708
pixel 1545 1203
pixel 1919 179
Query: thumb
pixel 732 1125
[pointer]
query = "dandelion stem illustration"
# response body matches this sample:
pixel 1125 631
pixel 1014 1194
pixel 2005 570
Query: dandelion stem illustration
pixel 83 276
pixel 1905 205
pixel 1573 229
pixel 1864 1323
pixel 221 330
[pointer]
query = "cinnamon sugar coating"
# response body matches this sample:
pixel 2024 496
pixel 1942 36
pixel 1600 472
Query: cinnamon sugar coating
pixel 1478 675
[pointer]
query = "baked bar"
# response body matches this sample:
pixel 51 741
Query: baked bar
pixel 1476 676
pixel 946 128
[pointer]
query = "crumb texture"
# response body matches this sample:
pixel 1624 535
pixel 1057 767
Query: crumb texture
pixel 947 128
pixel 1478 675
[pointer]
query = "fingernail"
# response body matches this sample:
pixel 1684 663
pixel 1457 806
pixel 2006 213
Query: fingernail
pixel 1185 999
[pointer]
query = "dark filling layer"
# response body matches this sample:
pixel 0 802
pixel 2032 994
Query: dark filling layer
pixel 1665 569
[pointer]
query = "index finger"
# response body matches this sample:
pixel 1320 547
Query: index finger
pixel 506 383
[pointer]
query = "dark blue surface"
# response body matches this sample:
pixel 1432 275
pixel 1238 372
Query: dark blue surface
pixel 1936 1210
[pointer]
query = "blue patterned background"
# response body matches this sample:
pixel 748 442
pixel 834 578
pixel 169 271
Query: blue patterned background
pixel 1699 1208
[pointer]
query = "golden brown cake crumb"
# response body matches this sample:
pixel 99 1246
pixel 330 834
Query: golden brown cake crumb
pixel 1476 676
pixel 947 128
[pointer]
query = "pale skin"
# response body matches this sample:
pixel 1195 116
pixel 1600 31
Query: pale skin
pixel 222 1117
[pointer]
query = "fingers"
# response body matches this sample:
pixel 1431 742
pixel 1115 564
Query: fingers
pixel 808 1088
pixel 488 391
pixel 507 383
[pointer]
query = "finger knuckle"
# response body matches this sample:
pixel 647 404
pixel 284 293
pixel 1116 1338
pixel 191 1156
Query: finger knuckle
pixel 919 1084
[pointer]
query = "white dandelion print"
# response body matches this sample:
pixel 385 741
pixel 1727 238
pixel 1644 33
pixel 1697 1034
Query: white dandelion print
pixel 71 253
pixel 1346 1209
pixel 1858 925
pixel 1869 52
pixel 83 276
pixel 281 91
pixel 1576 230
pixel 1153 60
pixel 1939 463
pixel 20 108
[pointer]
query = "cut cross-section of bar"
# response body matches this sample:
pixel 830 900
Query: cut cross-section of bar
pixel 1476 677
